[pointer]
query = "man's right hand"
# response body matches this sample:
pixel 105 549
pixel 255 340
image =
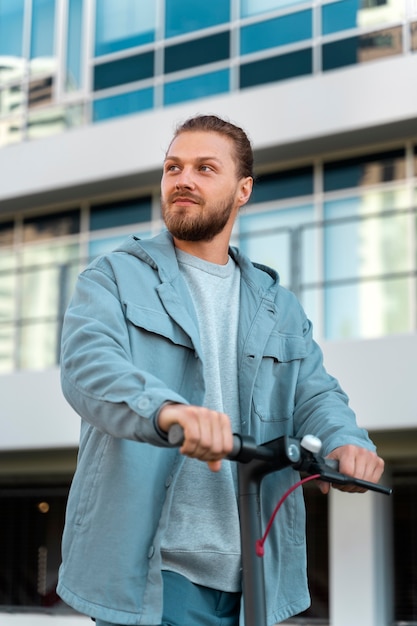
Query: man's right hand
pixel 207 434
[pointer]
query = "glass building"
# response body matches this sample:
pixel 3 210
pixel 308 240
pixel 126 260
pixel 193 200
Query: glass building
pixel 90 93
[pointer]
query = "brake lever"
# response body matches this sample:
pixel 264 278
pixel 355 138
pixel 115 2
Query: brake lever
pixel 328 470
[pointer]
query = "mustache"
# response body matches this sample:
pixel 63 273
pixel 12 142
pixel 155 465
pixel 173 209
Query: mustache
pixel 186 195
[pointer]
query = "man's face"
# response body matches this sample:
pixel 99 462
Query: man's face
pixel 200 191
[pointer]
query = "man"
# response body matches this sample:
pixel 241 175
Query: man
pixel 183 329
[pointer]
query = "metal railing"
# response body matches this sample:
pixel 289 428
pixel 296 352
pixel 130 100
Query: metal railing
pixel 13 327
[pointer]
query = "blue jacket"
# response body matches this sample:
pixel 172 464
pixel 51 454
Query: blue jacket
pixel 130 343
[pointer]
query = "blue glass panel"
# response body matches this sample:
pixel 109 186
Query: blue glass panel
pixel 74 45
pixel 282 185
pixel 43 29
pixel 11 27
pixel 122 71
pixel 124 24
pixel 185 16
pixel 383 167
pixel 255 7
pixel 339 16
pixel 121 213
pixel 196 87
pixel 276 68
pixel 197 52
pixel 97 247
pixel 340 53
pixel 374 242
pixel 123 104
pixel 276 32
pixel 266 238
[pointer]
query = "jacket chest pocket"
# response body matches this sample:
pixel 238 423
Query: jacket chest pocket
pixel 276 381
pixel 156 323
pixel 163 349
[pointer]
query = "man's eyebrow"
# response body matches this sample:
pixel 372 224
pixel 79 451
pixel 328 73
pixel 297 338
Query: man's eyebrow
pixel 202 159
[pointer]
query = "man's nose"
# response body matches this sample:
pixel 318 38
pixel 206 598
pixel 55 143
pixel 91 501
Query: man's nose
pixel 184 179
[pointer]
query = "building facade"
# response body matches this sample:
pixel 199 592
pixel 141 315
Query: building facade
pixel 90 94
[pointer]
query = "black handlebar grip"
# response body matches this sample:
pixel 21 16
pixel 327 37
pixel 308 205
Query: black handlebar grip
pixel 176 438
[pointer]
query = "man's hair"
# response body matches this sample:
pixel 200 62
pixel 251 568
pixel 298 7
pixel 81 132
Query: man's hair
pixel 212 123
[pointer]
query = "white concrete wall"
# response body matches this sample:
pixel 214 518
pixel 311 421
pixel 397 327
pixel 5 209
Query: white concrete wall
pixel 379 375
pixel 355 98
pixel 34 413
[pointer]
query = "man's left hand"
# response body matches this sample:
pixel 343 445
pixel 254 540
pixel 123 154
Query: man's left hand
pixel 358 462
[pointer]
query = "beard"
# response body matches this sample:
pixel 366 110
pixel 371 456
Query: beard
pixel 199 222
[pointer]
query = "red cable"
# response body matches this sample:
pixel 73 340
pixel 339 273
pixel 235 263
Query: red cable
pixel 259 545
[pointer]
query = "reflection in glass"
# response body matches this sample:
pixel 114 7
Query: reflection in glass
pixel 124 24
pixel 360 253
pixel 379 12
pixel 97 247
pixel 384 43
pixel 42 42
pixel 11 40
pixel 74 57
pixel 11 100
pixel 186 16
pixel 370 169
pixel 123 104
pixel 48 277
pixel 362 49
pixel 6 347
pixel 267 238
pixel 368 309
pixel 346 14
pixel 44 122
pixel 7 272
pixel 201 86
pixel 254 7
pixel 276 32
pixel 40 91
pixel 11 130
pixel 413 31
pixel 50 226
pixel 39 345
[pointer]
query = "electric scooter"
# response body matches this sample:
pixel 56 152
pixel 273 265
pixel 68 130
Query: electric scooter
pixel 254 463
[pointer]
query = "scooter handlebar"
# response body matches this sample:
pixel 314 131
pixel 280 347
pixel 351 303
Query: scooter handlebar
pixel 285 452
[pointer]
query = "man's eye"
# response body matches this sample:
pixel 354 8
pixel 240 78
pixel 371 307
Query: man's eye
pixel 206 168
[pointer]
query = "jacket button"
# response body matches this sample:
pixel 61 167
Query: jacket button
pixel 143 403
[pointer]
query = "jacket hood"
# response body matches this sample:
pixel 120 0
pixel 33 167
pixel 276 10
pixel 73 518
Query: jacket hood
pixel 159 253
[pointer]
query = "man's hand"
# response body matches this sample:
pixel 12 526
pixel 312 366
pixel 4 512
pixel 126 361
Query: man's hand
pixel 358 462
pixel 207 434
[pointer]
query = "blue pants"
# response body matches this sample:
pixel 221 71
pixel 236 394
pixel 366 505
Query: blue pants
pixel 186 604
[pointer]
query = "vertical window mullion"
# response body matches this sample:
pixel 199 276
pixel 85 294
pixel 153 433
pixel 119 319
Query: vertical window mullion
pixel 61 42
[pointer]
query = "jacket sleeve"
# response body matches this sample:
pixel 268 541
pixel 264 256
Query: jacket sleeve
pixel 321 406
pixel 98 376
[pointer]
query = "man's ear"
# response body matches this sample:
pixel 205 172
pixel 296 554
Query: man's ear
pixel 246 185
